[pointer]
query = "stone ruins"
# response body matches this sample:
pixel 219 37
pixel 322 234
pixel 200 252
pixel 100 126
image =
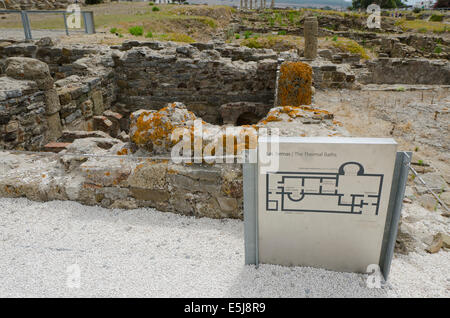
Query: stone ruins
pixel 100 118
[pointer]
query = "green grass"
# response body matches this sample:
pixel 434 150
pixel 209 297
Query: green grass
pixel 350 46
pixel 136 30
pixel 437 17
pixel 423 26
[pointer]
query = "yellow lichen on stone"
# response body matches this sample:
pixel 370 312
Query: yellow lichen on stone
pixel 294 84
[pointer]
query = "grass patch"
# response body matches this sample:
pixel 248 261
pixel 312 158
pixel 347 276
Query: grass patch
pixel 136 30
pixel 437 17
pixel 175 37
pixel 275 42
pixel 416 25
pixel 350 46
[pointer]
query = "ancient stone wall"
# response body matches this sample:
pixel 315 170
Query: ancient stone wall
pixel 36 4
pixel 203 76
pixel 408 71
pixel 23 122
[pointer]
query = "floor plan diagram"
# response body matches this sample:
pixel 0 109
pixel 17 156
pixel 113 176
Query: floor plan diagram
pixel 350 191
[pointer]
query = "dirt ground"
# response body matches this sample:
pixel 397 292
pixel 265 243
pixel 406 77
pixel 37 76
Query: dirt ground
pixel 417 119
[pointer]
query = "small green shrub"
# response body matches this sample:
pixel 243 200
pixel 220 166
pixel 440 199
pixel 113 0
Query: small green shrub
pixel 247 34
pixel 335 38
pixel 149 34
pixel 237 36
pixel 437 17
pixel 136 30
pixel 151 3
pixel 155 9
pixel 438 49
pixel 282 32
pixel 113 30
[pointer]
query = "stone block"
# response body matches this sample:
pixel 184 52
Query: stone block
pixel 52 104
pixel 97 99
pixel 54 127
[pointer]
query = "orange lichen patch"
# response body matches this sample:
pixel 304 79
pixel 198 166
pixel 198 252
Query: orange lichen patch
pixel 44 176
pixel 294 84
pixel 107 173
pixel 156 128
pixel 295 112
pixel 122 152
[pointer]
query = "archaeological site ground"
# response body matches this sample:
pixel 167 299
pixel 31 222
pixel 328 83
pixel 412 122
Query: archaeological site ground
pixel 89 130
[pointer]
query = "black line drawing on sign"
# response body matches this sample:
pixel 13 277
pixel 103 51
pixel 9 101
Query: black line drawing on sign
pixel 349 191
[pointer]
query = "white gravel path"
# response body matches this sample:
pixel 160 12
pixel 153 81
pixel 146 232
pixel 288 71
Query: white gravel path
pixel 146 253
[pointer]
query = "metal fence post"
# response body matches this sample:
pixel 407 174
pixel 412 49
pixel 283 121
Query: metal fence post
pixel 26 25
pixel 399 179
pixel 65 23
pixel 89 25
pixel 250 176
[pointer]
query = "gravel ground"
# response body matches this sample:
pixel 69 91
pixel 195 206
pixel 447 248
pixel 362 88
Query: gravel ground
pixel 146 253
pixel 18 34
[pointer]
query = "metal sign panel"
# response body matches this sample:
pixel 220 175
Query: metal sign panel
pixel 326 205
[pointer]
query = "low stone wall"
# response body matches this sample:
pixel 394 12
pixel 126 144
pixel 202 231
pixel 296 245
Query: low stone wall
pixel 408 71
pixel 37 4
pixel 197 190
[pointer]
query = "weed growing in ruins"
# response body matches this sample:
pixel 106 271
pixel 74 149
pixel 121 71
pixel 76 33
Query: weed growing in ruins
pixel 282 32
pixel 334 38
pixel 438 49
pixel 350 46
pixel 437 17
pixel 151 3
pixel 136 30
pixel 154 9
pixel 247 34
pixel 237 36
pixel 113 30
pixel 149 34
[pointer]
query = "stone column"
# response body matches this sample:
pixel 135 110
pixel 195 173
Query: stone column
pixel 311 31
pixel 251 4
pixel 242 2
pixel 246 4
pixel 294 86
pixel 272 4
